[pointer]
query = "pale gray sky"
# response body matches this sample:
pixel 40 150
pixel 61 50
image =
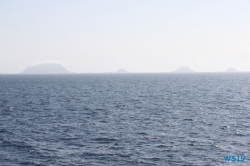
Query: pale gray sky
pixel 137 35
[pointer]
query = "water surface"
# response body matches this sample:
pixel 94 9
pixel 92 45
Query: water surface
pixel 124 119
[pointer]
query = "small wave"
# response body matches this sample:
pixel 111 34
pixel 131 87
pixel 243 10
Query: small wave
pixel 48 109
pixel 152 159
pixel 225 127
pixel 31 163
pixel 8 109
pixel 240 134
pixel 89 154
pixel 100 109
pixel 116 147
pixel 11 108
pixel 161 146
pixel 141 133
pixel 193 132
pixel 245 124
pixel 5 131
pixel 15 143
pixel 124 155
pixel 104 140
pixel 192 144
pixel 188 119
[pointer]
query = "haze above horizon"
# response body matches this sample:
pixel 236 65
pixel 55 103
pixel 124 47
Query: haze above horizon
pixel 139 36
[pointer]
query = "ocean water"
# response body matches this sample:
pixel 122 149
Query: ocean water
pixel 124 119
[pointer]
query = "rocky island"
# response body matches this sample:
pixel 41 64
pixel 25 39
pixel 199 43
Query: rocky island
pixel 231 70
pixel 121 71
pixel 50 68
pixel 183 69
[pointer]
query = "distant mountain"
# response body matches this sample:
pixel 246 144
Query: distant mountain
pixel 50 68
pixel 231 70
pixel 183 69
pixel 121 71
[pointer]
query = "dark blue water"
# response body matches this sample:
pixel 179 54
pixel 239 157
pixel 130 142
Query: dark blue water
pixel 126 119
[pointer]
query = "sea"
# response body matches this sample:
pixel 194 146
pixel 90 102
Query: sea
pixel 125 119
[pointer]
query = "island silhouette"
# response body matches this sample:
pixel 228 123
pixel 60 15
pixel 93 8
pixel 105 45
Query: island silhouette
pixel 121 71
pixel 183 69
pixel 50 68
pixel 231 70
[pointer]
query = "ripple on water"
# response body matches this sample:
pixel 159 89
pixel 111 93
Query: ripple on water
pixel 142 119
pixel 104 140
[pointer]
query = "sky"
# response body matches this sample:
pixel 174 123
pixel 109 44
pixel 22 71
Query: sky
pixel 95 36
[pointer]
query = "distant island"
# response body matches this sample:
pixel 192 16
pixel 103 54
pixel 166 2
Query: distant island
pixel 231 70
pixel 50 68
pixel 183 69
pixel 121 71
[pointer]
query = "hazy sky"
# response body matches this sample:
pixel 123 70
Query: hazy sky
pixel 138 35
